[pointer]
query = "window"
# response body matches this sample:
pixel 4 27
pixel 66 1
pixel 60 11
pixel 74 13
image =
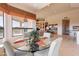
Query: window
pixel 1 26
pixel 28 26
pixel 25 26
pixel 16 23
pixel 17 27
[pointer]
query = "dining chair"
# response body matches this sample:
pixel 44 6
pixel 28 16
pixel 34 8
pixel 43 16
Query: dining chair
pixel 47 34
pixel 48 38
pixel 10 51
pixel 53 50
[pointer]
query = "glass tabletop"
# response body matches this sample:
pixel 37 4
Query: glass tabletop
pixel 27 48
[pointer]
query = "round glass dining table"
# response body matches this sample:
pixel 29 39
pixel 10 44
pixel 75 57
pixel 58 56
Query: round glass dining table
pixel 28 49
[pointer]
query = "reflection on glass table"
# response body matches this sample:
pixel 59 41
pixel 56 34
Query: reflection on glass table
pixel 27 48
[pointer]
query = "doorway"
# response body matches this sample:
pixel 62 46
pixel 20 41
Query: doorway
pixel 65 26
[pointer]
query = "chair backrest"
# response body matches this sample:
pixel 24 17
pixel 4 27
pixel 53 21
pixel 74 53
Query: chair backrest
pixel 54 47
pixel 48 40
pixel 8 49
pixel 46 34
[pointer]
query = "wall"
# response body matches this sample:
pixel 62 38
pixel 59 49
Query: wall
pixel 57 19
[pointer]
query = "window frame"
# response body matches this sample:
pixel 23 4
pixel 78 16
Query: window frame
pixel 3 24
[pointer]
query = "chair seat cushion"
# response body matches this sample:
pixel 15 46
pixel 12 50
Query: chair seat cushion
pixel 42 53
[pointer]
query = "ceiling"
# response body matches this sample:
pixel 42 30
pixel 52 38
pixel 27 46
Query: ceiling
pixel 30 7
pixel 56 8
pixel 43 10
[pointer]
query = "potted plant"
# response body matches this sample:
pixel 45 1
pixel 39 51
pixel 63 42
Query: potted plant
pixel 34 37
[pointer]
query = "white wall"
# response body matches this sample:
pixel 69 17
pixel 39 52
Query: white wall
pixel 57 19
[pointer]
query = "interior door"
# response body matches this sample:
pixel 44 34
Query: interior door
pixel 65 27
